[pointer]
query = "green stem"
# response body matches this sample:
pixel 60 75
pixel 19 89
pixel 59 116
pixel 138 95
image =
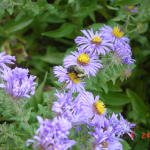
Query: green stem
pixel 127 23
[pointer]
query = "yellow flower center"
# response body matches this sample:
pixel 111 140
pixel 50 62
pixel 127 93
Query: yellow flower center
pixel 99 107
pixel 117 32
pixel 96 40
pixel 104 144
pixel 130 7
pixel 83 59
pixel 74 78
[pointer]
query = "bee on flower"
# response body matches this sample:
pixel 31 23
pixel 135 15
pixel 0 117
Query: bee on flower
pixel 90 62
pixel 72 76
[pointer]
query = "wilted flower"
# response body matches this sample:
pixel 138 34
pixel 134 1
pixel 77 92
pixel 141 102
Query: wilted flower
pixel 115 35
pixel 88 61
pixel 6 59
pixel 90 106
pixel 132 9
pixel 17 82
pixel 73 83
pixel 93 42
pixel 52 135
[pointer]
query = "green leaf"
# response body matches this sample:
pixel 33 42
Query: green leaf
pixel 53 58
pixel 126 146
pixel 115 109
pixel 65 30
pixel 128 2
pixel 138 105
pixel 37 98
pixel 114 88
pixel 115 99
pixel 16 26
pixel 96 26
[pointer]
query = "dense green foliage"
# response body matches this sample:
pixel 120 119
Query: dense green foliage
pixel 40 33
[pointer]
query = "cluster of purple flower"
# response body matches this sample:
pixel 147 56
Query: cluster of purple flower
pixel 86 59
pixel 52 135
pixel 105 129
pixel 17 81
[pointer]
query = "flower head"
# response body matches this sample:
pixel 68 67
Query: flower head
pixel 17 82
pixel 115 35
pixel 93 43
pixel 123 53
pixel 52 135
pixel 6 59
pixel 107 131
pixel 105 139
pixel 90 106
pixel 132 9
pixel 66 107
pixel 117 32
pixel 88 61
pixel 73 82
pixel 120 125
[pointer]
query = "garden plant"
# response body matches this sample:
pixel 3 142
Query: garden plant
pixel 74 74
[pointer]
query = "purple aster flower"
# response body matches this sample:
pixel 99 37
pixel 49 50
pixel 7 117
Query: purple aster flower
pixel 123 53
pixel 99 121
pixel 105 139
pixel 114 123
pixel 115 35
pixel 6 59
pixel 66 107
pixel 73 83
pixel 120 125
pixel 17 82
pixel 52 135
pixel 132 9
pixel 90 106
pixel 88 61
pixel 93 42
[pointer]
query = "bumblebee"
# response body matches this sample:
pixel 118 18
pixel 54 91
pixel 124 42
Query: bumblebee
pixel 80 73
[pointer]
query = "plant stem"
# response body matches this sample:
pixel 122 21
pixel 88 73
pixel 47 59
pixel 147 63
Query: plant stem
pixel 127 23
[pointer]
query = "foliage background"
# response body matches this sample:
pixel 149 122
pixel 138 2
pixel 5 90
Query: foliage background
pixel 40 33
